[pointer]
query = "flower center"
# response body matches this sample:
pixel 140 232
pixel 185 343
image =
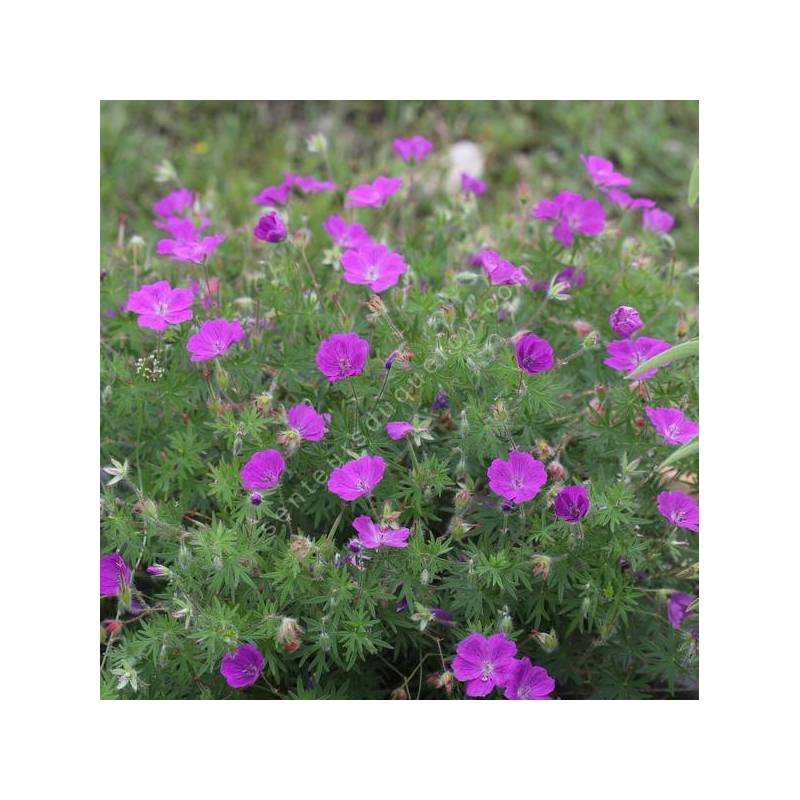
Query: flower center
pixel 672 431
pixel 362 484
pixel 487 668
pixel 161 309
pixel 344 364
pixel 516 482
pixel 523 692
pixel 372 273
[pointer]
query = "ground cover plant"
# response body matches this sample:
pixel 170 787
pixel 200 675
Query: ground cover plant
pixel 399 401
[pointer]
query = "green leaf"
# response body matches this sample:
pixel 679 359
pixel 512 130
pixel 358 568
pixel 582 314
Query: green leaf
pixel 689 449
pixel 677 353
pixel 694 184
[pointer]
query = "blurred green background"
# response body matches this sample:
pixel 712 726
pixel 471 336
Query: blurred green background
pixel 231 149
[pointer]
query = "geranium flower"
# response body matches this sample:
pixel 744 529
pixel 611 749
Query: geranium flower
pixel 372 536
pixel 263 470
pixel 115 575
pixel 274 195
pixel 159 306
pixel 572 504
pixel 173 205
pixel 677 606
pixel 414 149
pixel 309 424
pixel 243 667
pixel 672 426
pixel 472 185
pixel 534 355
pixel 356 478
pixel 373 194
pixel 680 510
pixel 270 228
pixel 398 430
pixel 572 214
pixel 373 265
pixel 342 355
pixel 484 663
pixel 186 244
pixel 603 173
pixel 310 185
pixel 346 234
pixel 658 221
pixel 215 338
pixel 498 270
pixel 625 201
pixel 627 354
pixel 625 321
pixel 527 682
pixel 519 478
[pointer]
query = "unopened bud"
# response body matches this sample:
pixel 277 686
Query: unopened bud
pixel 113 627
pixel 547 641
pixel 289 633
pixel 582 328
pixel 158 571
pixel 540 566
pixel 256 499
pixel 300 546
pixel 556 471
pixel 399 693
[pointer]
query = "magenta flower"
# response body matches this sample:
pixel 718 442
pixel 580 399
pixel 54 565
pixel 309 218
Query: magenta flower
pixel 308 184
pixel 414 149
pixel 115 575
pixel 534 355
pixel 373 194
pixel 373 265
pixel 356 478
pixel 372 536
pixel 572 214
pixel 527 682
pixel 215 338
pixel 472 185
pixel 270 228
pixel 498 270
pixel 242 667
pixel 173 205
pixel 519 478
pixel 186 244
pixel 398 430
pixel 158 571
pixel 625 201
pixel 274 195
pixel 672 426
pixel 625 321
pixel 346 234
pixel 263 470
pixel 658 221
pixel 627 354
pixel 342 355
pixel 484 663
pixel 677 606
pixel 572 504
pixel 603 173
pixel 680 510
pixel 309 424
pixel 159 306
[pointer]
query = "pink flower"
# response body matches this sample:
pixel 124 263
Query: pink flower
pixel 472 185
pixel 602 172
pixel 658 221
pixel 215 338
pixel 186 244
pixel 416 148
pixel 342 355
pixel 263 470
pixel 160 306
pixel 373 194
pixel 309 184
pixel 627 354
pixel 534 355
pixel 372 536
pixel 174 204
pixel 528 682
pixel 271 228
pixel 309 424
pixel 346 234
pixel 624 200
pixel 484 663
pixel 519 478
pixel 356 478
pixel 243 667
pixel 625 321
pixel 115 575
pixel 274 195
pixel 373 265
pixel 398 430
pixel 572 214
pixel 499 271
pixel 672 426
pixel 680 509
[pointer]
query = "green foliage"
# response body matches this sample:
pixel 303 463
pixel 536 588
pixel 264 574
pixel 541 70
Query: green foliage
pixel 277 574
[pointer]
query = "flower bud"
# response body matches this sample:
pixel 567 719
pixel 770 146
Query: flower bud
pixel 300 546
pixel 682 327
pixel 556 471
pixel 256 499
pixel 158 571
pixel 504 621
pixel 290 439
pixel 113 627
pixel 582 328
pixel 547 641
pixel 289 633
pixel 399 693
pixel 543 451
pixel 540 566
pixel 317 143
pixel 639 423
pixel 376 305
pixel 443 680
